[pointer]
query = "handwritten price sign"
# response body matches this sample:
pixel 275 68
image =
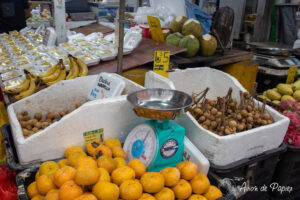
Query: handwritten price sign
pixel 155 29
pixel 91 136
pixel 161 62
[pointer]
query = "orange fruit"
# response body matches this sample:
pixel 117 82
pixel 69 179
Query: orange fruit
pixel 44 184
pixel 146 196
pixel 138 167
pixel 63 175
pixel 52 195
pixel 120 162
pixel 74 157
pixel 118 152
pixel 32 190
pixel 182 189
pixel 63 162
pixel 197 197
pixel 86 196
pixel 85 161
pixel 104 175
pixel 213 193
pixel 38 197
pixel 37 175
pixel 107 163
pixel 106 191
pixel 165 194
pixel 153 182
pixel 72 149
pixel 69 191
pixel 122 174
pixel 92 146
pixel 131 190
pixel 48 168
pixel 102 150
pixel 171 175
pixel 87 175
pixel 200 184
pixel 112 142
pixel 188 170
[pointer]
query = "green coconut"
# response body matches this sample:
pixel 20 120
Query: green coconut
pixel 208 45
pixel 191 43
pixel 177 23
pixel 192 26
pixel 174 39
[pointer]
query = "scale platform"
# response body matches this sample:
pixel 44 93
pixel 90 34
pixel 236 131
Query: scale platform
pixel 158 142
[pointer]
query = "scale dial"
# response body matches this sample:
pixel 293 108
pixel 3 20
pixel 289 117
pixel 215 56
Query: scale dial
pixel 141 143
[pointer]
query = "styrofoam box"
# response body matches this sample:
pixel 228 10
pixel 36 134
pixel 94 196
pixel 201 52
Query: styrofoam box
pixel 61 96
pixel 115 115
pixel 220 150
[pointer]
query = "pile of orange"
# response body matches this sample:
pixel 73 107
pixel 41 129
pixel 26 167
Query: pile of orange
pixel 103 174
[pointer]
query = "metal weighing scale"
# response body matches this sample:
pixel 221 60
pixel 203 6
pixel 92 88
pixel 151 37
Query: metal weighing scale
pixel 158 142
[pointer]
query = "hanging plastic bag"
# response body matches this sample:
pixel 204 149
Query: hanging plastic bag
pixel 3 120
pixel 8 188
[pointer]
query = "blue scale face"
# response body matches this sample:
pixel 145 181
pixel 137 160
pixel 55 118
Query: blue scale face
pixel 156 146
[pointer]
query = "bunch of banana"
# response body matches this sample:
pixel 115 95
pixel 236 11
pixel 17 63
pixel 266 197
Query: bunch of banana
pixel 77 68
pixel 34 85
pixel 19 88
pixel 59 74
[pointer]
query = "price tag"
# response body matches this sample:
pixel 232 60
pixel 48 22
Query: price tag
pixel 155 29
pixel 161 62
pixel 291 75
pixel 92 136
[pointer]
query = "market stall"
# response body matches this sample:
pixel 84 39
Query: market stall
pixel 199 124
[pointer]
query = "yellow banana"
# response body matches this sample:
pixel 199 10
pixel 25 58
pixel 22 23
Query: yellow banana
pixel 19 88
pixel 50 71
pixel 74 71
pixel 82 66
pixel 61 76
pixel 29 91
pixel 53 76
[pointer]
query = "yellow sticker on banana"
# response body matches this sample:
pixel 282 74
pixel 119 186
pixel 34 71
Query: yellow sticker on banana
pixel 161 62
pixel 292 74
pixel 155 29
pixel 92 136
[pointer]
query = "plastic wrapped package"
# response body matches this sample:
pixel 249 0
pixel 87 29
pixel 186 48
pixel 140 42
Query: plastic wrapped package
pixel 104 54
pixel 46 63
pixel 8 68
pixel 88 58
pixel 13 82
pixel 6 62
pixel 23 63
pixel 11 75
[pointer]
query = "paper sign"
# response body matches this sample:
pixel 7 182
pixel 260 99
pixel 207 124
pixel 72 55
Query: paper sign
pixel 92 136
pixel 155 29
pixel 291 75
pixel 161 62
pixel 106 85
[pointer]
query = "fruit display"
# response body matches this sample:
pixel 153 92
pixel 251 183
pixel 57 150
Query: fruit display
pixel 282 92
pixel 38 122
pixel 187 34
pixel 226 116
pixel 101 174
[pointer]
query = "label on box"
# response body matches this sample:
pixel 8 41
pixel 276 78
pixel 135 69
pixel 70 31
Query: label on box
pixel 155 29
pixel 161 62
pixel 106 85
pixel 291 75
pixel 92 136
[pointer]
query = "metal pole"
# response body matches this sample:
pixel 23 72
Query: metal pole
pixel 121 36
pixel 60 21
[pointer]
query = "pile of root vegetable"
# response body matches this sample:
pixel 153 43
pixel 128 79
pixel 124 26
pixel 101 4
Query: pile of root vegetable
pixel 226 116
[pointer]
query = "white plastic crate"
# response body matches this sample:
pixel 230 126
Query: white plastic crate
pixel 220 150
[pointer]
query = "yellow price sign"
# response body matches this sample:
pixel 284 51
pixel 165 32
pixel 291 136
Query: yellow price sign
pixel 155 29
pixel 161 62
pixel 292 74
pixel 92 136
